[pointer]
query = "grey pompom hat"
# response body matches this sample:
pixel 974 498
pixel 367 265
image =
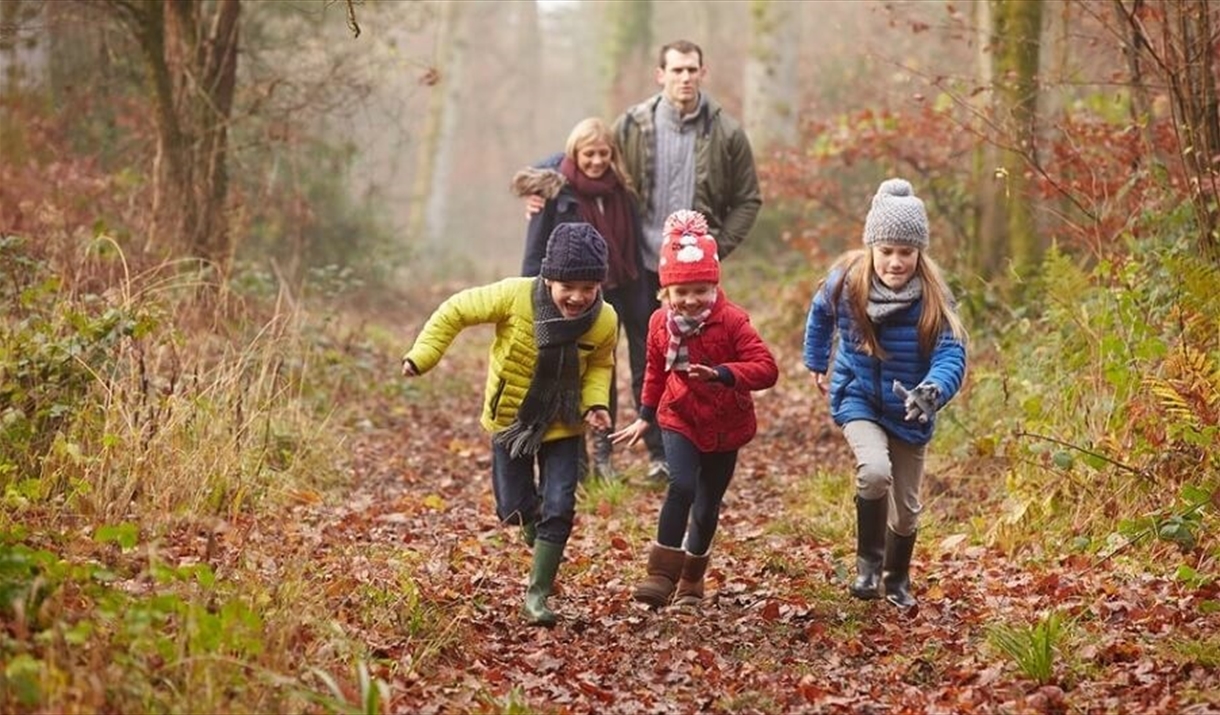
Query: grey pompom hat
pixel 897 216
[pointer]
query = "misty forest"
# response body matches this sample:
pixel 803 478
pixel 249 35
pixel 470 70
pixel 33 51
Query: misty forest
pixel 223 223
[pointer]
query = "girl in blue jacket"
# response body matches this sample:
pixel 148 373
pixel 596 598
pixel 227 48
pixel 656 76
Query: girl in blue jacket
pixel 900 356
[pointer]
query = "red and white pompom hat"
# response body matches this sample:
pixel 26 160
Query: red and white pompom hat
pixel 688 253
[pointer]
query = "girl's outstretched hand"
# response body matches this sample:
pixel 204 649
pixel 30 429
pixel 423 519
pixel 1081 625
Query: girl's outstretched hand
pixel 702 373
pixel 631 433
pixel 819 379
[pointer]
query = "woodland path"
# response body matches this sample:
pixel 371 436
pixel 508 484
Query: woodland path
pixel 780 633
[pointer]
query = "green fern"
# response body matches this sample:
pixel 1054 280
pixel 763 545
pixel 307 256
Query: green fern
pixel 1032 648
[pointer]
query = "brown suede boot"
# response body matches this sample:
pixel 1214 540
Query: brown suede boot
pixel 664 567
pixel 690 586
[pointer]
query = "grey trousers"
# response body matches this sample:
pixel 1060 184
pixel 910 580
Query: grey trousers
pixel 887 466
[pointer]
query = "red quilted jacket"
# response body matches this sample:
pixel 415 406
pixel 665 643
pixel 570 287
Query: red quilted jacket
pixel 714 416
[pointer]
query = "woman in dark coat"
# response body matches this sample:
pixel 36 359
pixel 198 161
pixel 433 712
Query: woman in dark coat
pixel 590 185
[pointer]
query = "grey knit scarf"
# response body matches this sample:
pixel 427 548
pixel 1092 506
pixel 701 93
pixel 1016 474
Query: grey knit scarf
pixel 554 391
pixel 884 302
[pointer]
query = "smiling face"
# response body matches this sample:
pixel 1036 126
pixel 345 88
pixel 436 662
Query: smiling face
pixel 593 158
pixel 573 298
pixel 680 78
pixel 690 299
pixel 895 264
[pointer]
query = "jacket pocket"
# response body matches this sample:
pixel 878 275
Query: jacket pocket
pixel 836 397
pixel 494 405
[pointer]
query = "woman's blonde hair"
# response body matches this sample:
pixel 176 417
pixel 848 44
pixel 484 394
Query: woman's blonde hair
pixel 938 314
pixel 594 129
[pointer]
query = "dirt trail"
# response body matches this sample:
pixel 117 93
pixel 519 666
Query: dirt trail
pixel 779 634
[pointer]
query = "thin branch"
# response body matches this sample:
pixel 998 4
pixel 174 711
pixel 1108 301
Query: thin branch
pixel 351 18
pixel 1125 467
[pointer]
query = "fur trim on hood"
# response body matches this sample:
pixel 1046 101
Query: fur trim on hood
pixel 543 182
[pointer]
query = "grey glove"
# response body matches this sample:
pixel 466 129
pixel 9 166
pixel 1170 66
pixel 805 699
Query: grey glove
pixel 920 402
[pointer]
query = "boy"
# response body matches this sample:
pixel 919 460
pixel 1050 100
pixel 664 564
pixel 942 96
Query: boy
pixel 550 366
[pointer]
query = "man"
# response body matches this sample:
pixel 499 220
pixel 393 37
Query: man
pixel 683 151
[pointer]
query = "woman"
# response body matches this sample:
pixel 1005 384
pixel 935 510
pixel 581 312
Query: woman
pixel 590 185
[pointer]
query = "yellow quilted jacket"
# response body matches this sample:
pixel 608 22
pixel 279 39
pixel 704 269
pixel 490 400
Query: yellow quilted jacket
pixel 507 304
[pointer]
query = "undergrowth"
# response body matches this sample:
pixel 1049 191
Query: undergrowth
pixel 136 407
pixel 1101 404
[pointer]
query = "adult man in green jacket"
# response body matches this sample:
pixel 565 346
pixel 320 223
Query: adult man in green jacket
pixel 683 151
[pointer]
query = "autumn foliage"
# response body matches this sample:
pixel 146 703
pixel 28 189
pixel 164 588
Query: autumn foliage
pixel 219 495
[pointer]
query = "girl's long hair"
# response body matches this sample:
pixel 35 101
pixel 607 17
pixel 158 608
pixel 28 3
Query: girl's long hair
pixel 593 129
pixel 937 317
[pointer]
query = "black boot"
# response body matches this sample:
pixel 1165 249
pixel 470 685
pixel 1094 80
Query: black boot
pixel 898 550
pixel 870 547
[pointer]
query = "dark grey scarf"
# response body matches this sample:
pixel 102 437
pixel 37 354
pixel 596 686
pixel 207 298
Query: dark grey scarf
pixel 554 392
pixel 884 301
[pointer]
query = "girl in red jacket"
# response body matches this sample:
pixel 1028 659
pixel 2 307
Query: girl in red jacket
pixel 704 359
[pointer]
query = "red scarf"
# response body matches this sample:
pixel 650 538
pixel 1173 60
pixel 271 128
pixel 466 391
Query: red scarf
pixel 613 220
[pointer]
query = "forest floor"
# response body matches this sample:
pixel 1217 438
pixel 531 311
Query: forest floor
pixel 778 633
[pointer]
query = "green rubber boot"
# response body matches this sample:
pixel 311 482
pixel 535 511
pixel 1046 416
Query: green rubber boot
pixel 547 556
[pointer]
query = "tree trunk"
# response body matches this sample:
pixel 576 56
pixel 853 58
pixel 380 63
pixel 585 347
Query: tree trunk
pixel 1193 88
pixel 190 48
pixel 627 51
pixel 985 253
pixel 1017 39
pixel 529 50
pixel 770 78
pixel 435 146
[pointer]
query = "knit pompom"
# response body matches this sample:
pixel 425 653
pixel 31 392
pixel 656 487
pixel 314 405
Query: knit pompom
pixel 897 216
pixel 684 222
pixel 688 253
pixel 895 187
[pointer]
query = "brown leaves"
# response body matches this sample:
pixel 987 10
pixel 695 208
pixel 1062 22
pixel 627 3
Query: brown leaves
pixel 777 633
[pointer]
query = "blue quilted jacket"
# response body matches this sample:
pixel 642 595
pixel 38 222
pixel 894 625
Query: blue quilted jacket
pixel 861 386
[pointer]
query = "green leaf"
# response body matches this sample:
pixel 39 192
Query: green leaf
pixel 1194 495
pixel 78 633
pixel 22 675
pixel 126 535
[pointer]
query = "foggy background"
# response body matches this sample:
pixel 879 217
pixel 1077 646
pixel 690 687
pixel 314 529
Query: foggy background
pixel 513 77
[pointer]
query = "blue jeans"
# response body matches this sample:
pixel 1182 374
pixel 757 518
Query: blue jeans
pixel 697 483
pixel 550 503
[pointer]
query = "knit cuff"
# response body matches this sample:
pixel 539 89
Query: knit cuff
pixel 648 414
pixel 725 375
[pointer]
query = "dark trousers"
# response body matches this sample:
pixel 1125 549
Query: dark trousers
pixel 635 304
pixel 697 483
pixel 550 502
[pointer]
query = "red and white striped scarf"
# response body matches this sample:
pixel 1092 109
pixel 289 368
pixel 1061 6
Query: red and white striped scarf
pixel 680 327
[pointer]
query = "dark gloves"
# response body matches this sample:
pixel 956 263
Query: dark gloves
pixel 921 402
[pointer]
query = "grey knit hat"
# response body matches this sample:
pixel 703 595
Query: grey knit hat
pixel 897 216
pixel 575 252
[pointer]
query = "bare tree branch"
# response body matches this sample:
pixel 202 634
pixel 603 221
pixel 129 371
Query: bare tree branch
pixel 351 18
